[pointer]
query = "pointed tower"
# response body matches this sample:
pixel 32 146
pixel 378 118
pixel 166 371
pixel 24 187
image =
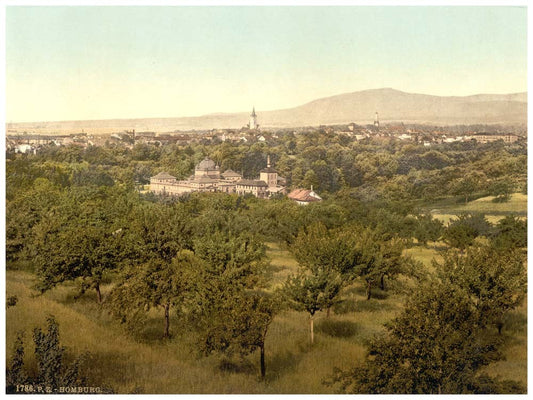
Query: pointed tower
pixel 376 120
pixel 253 120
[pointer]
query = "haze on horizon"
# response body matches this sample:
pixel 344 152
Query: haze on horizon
pixel 86 63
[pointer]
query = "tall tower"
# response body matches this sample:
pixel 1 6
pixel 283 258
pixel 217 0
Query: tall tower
pixel 269 175
pixel 253 120
pixel 376 120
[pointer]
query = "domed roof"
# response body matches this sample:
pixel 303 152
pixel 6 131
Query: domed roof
pixel 206 165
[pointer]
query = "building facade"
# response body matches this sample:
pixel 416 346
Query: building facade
pixel 253 120
pixel 208 178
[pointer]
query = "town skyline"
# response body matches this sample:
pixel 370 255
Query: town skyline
pixel 160 62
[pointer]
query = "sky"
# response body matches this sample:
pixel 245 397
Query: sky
pixel 80 63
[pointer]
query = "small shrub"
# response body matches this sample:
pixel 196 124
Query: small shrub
pixel 11 301
pixel 340 329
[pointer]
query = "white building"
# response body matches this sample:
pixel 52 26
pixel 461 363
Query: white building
pixel 253 120
pixel 208 178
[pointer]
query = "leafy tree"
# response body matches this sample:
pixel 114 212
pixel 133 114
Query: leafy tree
pixel 318 246
pixel 434 346
pixel 428 229
pixel 310 180
pixel 462 231
pixel 15 373
pixel 64 252
pixel 510 231
pixel 229 316
pixel 153 284
pixel 329 259
pixel 68 254
pixel 501 189
pixel 494 277
pixel 26 210
pixel 241 324
pixel 439 343
pixel 157 231
pixel 314 290
pixel 468 184
pixel 52 370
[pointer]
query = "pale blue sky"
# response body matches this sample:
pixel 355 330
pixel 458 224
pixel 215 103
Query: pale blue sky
pixel 68 63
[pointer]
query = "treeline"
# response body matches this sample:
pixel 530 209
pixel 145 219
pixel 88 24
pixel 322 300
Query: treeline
pixel 388 169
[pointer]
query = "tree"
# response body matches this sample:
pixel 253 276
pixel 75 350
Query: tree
pixel 157 231
pixel 156 249
pixel 153 284
pixel 64 252
pixel 52 371
pixel 434 346
pixel 494 277
pixel 428 229
pixel 468 184
pixel 510 231
pixel 69 253
pixel 251 313
pixel 231 313
pixel 441 340
pixel 462 231
pixel 313 291
pixel 328 260
pixel 501 189
pixel 24 211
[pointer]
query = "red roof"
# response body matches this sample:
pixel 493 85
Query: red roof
pixel 303 195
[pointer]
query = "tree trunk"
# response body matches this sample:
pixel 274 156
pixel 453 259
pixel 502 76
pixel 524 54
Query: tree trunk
pixel 312 329
pixel 368 290
pixel 167 321
pixel 328 310
pixel 263 367
pixel 98 293
pixel 382 282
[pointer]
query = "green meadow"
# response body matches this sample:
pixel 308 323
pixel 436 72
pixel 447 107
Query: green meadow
pixel 142 362
pixel 448 209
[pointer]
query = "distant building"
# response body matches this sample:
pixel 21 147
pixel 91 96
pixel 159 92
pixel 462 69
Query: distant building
pixel 257 187
pixel 253 120
pixel 304 196
pixel 493 137
pixel 208 178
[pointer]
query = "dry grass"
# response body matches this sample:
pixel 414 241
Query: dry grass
pixel 293 366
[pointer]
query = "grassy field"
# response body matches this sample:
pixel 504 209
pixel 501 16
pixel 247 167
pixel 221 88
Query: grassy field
pixel 449 208
pixel 144 363
pixel 147 364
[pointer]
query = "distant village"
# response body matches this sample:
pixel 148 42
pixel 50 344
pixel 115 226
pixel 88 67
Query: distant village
pixel 426 135
pixel 207 176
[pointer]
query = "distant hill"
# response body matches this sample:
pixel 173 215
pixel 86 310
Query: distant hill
pixel 360 107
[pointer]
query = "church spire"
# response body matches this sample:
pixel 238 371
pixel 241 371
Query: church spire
pixel 253 120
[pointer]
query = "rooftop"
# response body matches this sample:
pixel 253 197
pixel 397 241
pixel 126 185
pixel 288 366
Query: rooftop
pixel 304 195
pixel 163 175
pixel 230 173
pixel 206 165
pixel 249 182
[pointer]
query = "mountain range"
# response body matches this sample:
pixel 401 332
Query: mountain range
pixel 359 107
